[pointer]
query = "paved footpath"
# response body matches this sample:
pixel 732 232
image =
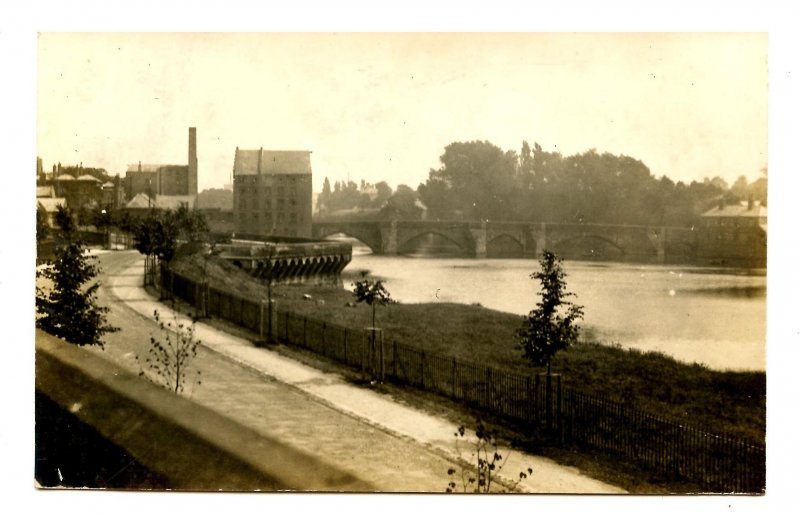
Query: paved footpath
pixel 394 447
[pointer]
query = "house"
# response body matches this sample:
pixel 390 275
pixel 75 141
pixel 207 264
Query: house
pixel 49 206
pixel 734 234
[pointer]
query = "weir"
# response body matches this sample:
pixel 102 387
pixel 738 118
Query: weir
pixel 289 261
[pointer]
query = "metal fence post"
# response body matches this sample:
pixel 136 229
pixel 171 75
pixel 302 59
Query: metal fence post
pixel 383 363
pixel 261 320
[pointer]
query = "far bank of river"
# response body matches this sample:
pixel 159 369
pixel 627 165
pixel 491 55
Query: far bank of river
pixel 716 317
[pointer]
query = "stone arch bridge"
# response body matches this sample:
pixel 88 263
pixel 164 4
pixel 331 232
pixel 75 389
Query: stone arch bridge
pixel 638 243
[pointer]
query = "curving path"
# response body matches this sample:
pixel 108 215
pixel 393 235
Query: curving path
pixel 394 447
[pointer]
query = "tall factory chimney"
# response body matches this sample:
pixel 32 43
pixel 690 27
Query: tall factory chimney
pixel 192 182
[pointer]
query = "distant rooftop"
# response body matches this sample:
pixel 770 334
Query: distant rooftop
pixel 142 201
pixel 150 168
pixel 51 204
pixel 272 162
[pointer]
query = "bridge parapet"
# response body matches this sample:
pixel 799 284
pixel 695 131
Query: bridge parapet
pixel 526 239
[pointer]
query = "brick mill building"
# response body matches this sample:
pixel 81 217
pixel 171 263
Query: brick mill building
pixel 734 234
pixel 164 179
pixel 272 192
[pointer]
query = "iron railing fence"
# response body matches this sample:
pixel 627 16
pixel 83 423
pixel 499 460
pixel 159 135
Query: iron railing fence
pixel 535 403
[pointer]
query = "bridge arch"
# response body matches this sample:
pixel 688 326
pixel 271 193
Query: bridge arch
pixel 505 246
pixel 366 241
pixel 402 245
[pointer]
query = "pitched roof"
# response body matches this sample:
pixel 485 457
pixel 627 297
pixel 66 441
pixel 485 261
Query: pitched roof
pixel 737 210
pixel 51 204
pixel 44 192
pixel 88 178
pixel 108 184
pixel 273 162
pixel 65 177
pixel 173 202
pixel 142 201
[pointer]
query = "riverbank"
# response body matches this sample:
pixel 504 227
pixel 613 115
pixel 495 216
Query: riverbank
pixel 724 402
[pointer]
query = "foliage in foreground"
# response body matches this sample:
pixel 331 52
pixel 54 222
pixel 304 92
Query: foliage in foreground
pixel 69 309
pixel 168 360
pixel 488 464
pixel 371 292
pixel 732 401
pixel 552 325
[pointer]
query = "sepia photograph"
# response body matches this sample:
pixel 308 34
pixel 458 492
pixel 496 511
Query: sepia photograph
pixel 445 262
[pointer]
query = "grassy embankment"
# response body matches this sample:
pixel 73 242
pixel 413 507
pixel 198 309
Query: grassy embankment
pixel 727 402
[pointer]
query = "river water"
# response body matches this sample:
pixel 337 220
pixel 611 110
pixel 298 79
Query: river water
pixel 716 317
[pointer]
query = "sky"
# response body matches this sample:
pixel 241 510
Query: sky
pixel 689 106
pixel 383 106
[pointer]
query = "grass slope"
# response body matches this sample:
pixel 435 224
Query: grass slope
pixel 727 402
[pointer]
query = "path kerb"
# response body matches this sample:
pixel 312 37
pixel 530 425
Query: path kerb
pixel 370 406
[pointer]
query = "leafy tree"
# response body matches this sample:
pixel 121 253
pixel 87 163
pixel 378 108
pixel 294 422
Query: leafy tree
pixel 479 178
pixel 384 193
pixel 158 233
pixel 371 292
pixel 325 197
pixel 552 325
pixel 168 360
pixel 42 227
pixel 69 310
pixel 402 205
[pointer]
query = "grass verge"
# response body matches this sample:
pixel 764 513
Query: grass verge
pixel 723 402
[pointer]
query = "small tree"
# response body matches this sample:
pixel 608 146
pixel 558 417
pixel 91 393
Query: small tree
pixel 488 461
pixel 552 325
pixel 69 310
pixel 372 293
pixel 168 361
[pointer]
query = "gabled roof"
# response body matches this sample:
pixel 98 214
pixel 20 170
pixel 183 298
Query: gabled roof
pixel 88 178
pixel 108 184
pixel 50 204
pixel 65 177
pixel 44 192
pixel 272 162
pixel 142 201
pixel 737 210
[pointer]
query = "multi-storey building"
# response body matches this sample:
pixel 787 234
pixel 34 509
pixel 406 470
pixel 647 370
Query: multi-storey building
pixel 164 179
pixel 272 192
pixel 734 234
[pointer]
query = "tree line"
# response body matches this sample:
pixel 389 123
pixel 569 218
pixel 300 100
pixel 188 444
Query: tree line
pixel 478 180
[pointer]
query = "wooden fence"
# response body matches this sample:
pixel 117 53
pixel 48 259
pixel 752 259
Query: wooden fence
pixel 538 404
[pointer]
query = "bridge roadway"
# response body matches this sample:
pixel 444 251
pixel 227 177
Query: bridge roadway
pixel 657 244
